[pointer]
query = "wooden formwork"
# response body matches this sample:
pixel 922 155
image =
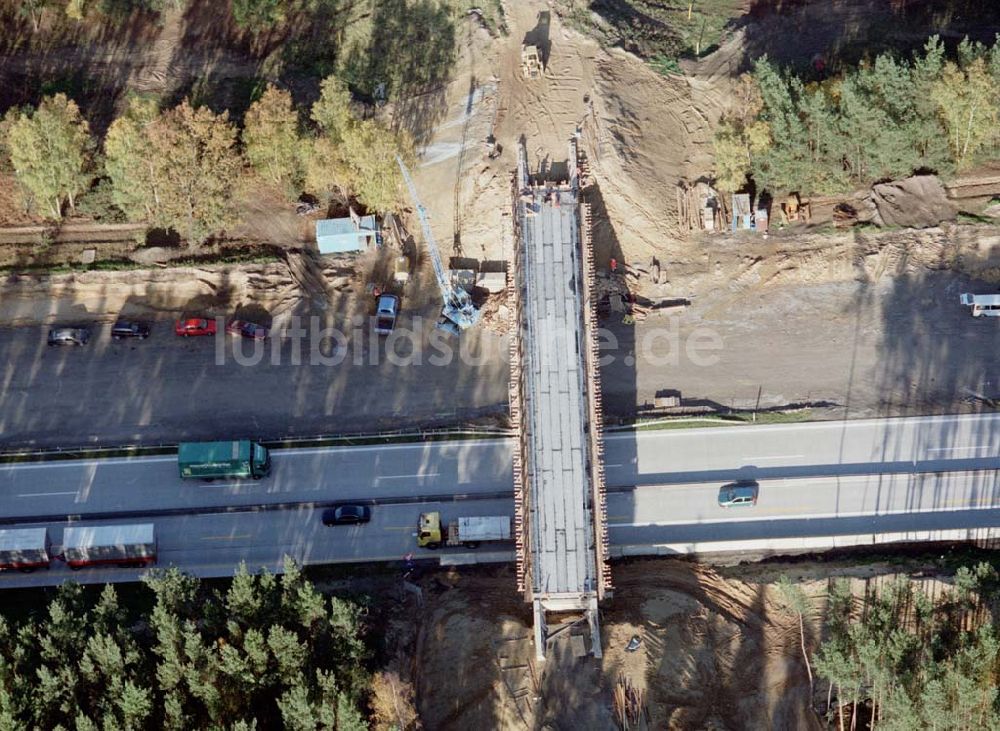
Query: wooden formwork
pixel 517 411
pixel 595 408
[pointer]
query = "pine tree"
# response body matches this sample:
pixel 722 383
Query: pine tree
pixel 796 601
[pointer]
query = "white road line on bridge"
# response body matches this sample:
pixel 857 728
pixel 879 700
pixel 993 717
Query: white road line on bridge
pixel 946 508
pixel 45 494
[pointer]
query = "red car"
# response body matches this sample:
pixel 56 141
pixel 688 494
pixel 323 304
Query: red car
pixel 195 326
pixel 249 330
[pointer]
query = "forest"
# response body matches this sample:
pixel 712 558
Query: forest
pixel 883 119
pixel 259 651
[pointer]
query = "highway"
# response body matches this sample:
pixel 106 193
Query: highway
pixel 433 469
pixel 924 444
pixel 921 477
pixel 142 484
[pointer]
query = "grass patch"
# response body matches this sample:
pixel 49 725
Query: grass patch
pixel 256 255
pixel 665 65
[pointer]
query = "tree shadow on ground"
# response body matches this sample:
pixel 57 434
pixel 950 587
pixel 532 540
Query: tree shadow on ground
pixel 816 38
pixel 407 60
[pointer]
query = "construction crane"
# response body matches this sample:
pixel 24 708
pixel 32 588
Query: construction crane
pixel 458 312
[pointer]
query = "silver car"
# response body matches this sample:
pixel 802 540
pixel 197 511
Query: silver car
pixel 385 313
pixel 738 494
pixel 69 336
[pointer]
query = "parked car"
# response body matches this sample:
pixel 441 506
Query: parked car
pixel 347 515
pixel 69 336
pixel 130 329
pixel 385 313
pixel 249 330
pixel 195 326
pixel 737 494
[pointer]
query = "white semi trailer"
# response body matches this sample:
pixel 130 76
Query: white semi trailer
pixel 122 545
pixel 25 549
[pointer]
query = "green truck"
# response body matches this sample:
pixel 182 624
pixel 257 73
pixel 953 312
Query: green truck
pixel 223 460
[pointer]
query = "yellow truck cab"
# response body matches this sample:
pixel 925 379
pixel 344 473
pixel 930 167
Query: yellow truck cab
pixel 429 530
pixel 468 531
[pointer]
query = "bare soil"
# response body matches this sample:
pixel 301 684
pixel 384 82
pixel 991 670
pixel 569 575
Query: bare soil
pixel 867 320
pixel 718 648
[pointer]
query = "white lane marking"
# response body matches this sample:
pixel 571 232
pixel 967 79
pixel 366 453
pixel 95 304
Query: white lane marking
pixel 807 516
pixel 960 449
pixel 55 464
pixel 402 477
pixel 777 456
pixel 45 494
pixel 292 452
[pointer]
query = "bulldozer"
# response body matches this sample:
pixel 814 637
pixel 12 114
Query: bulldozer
pixel 531 62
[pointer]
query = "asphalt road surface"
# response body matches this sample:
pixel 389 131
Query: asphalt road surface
pixel 434 469
pixel 932 474
pixel 669 519
pixel 144 484
pixel 170 389
pixel 915 444
pixel 214 545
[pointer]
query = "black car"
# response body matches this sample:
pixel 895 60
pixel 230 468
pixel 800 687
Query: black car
pixel 347 515
pixel 130 329
pixel 69 336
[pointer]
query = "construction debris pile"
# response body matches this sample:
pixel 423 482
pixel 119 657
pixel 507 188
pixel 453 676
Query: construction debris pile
pixel 630 706
pixel 494 313
pixel 616 300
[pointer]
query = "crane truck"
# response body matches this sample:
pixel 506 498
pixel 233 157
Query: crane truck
pixel 458 311
pixel 468 532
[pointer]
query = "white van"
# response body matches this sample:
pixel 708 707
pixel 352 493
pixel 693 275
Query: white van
pixel 987 305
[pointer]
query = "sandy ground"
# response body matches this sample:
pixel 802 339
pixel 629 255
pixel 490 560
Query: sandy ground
pixel 866 322
pixel 719 648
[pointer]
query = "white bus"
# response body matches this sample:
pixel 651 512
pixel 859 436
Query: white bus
pixel 987 305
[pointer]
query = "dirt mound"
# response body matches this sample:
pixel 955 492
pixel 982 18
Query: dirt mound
pixel 917 202
pixel 93 296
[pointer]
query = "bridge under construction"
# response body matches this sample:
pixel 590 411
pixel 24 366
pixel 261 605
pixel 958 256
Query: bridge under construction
pixel 560 503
